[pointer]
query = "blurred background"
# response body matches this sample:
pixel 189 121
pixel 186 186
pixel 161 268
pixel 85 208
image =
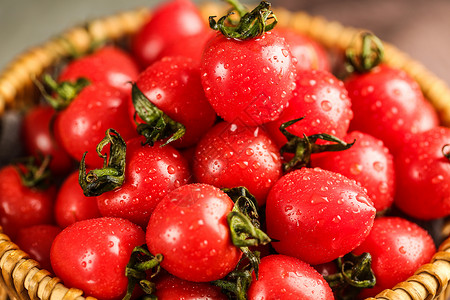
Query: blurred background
pixel 420 28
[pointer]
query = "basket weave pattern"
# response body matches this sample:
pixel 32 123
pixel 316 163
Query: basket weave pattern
pixel 22 278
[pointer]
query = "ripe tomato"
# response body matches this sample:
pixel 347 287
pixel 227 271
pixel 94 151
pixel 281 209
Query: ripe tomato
pixel 92 255
pixel 39 140
pixel 189 46
pixel 22 206
pixel 398 248
pixel 82 125
pixel 423 175
pixel 150 173
pixel 173 85
pixel 388 104
pixel 249 81
pixel 309 54
pixel 169 23
pixel 189 228
pixel 108 65
pixel 169 287
pixel 317 215
pixel 368 162
pixel 284 277
pixel 232 155
pixel 36 241
pixel 71 205
pixel 322 99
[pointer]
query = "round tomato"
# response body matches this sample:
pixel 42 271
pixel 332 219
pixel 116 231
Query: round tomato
pixel 248 81
pixel 232 155
pixel 283 277
pixel 92 255
pixel 398 248
pixel 189 228
pixel 317 215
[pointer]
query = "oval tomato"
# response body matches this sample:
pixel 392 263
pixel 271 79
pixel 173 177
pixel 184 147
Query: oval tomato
pixel 92 255
pixel 317 215
pixel 189 228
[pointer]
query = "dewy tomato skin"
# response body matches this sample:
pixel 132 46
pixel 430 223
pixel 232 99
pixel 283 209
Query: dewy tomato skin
pixel 317 215
pixel 92 255
pixel 189 228
pixel 249 81
pixel 285 278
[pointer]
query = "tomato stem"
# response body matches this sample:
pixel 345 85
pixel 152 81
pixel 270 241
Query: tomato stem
pixel 368 56
pixel 302 148
pixel 157 125
pixel 235 284
pixel 35 173
pixel 250 25
pixel 112 175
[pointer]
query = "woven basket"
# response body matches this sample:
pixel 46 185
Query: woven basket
pixel 22 278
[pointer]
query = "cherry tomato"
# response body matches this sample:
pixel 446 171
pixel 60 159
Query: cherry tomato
pixel 150 173
pixel 388 104
pixel 82 125
pixel 39 140
pixel 284 277
pixel 317 215
pixel 173 85
pixel 249 81
pixel 232 155
pixel 71 205
pixel 368 162
pixel 22 206
pixel 169 287
pixel 423 175
pixel 398 248
pixel 169 23
pixel 36 241
pixel 322 99
pixel 309 53
pixel 92 255
pixel 108 65
pixel 189 228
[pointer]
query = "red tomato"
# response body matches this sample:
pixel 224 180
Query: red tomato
pixel 150 173
pixel 36 241
pixel 108 65
pixel 368 162
pixel 92 255
pixel 169 287
pixel 423 175
pixel 39 140
pixel 398 248
pixel 283 277
pixel 322 99
pixel 317 215
pixel 82 125
pixel 169 23
pixel 189 228
pixel 189 46
pixel 22 206
pixel 72 205
pixel 309 53
pixel 388 104
pixel 232 155
pixel 173 85
pixel 249 81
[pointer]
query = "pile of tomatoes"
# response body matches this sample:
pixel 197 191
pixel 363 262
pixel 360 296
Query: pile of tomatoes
pixel 227 163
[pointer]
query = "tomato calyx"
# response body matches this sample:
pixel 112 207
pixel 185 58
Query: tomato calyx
pixel 250 25
pixel 157 125
pixel 141 261
pixel 446 151
pixel 64 91
pixel 354 273
pixel 33 173
pixel 112 175
pixel 368 56
pixel 303 147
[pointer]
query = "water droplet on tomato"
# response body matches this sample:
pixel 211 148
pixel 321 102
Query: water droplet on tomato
pixel 378 166
pixel 171 169
pixel 356 169
pixel 437 179
pixel 326 105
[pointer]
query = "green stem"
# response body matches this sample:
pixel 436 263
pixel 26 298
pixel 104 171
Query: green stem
pixel 112 175
pixel 368 56
pixel 35 173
